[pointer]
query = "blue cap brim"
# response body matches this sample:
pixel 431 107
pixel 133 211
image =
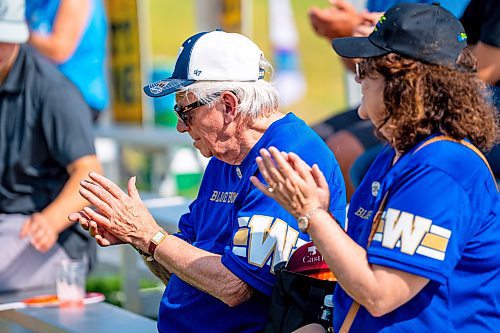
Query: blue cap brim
pixel 166 86
pixel 357 47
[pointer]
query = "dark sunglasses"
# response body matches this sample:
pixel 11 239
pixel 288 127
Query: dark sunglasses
pixel 183 111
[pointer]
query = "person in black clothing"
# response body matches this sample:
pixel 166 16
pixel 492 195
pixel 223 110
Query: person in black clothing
pixel 481 21
pixel 46 148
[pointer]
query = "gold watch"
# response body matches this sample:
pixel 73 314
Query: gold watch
pixel 157 238
pixel 303 221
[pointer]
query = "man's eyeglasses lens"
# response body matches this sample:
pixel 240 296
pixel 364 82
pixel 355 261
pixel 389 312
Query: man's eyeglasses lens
pixel 183 112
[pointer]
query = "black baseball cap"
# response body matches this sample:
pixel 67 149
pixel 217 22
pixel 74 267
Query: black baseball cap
pixel 424 32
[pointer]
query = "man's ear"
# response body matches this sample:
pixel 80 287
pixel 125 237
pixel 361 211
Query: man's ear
pixel 230 104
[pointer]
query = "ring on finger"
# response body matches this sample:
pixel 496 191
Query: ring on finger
pixel 272 188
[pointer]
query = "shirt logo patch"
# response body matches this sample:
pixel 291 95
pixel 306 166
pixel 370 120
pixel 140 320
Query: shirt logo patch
pixel 238 172
pixel 375 188
pixel 265 241
pixel 412 234
pixel 365 214
pixel 225 197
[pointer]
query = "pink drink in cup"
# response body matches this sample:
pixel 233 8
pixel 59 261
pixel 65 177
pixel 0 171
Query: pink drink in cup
pixel 70 283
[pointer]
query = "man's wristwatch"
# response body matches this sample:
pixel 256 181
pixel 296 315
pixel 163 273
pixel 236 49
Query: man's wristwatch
pixel 303 221
pixel 157 238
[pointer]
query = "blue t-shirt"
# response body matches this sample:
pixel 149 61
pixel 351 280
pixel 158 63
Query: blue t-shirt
pixel 86 67
pixel 251 231
pixel 456 7
pixel 441 221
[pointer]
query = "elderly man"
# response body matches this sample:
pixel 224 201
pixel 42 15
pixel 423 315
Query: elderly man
pixel 221 262
pixel 46 148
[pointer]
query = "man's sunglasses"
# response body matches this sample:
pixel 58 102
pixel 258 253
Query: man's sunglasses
pixel 183 111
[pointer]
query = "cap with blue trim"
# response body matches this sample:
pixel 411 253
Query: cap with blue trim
pixel 424 32
pixel 211 56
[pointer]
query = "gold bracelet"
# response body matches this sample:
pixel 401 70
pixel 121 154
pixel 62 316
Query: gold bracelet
pixel 303 221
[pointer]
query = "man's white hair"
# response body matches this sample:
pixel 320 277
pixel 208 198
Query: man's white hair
pixel 255 98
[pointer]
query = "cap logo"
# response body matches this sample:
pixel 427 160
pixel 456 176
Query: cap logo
pixel 262 73
pixel 462 37
pixel 156 88
pixel 380 22
pixel 197 72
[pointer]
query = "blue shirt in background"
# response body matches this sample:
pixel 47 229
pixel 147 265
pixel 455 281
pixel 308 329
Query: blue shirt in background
pixel 86 67
pixel 456 7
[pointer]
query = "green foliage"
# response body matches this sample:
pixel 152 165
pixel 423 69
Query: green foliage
pixel 110 286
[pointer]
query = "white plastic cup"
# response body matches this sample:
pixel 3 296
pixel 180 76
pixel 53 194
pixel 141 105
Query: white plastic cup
pixel 70 283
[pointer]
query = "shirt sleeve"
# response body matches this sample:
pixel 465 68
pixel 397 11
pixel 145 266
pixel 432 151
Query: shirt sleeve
pixel 186 228
pixel 67 125
pixel 265 235
pixel 424 225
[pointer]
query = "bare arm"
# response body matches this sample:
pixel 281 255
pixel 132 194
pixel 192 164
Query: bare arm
pixel 158 270
pixel 379 289
pixel 127 219
pixel 44 227
pixel 203 270
pixel 69 25
pixel 488 62
pixel 69 200
pixel 338 20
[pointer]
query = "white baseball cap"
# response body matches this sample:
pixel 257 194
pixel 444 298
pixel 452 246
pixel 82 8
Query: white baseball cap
pixel 13 26
pixel 211 56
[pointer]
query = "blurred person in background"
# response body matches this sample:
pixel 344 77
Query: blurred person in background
pixel 46 148
pixel 421 249
pixel 220 265
pixel 352 139
pixel 72 34
pixel 481 21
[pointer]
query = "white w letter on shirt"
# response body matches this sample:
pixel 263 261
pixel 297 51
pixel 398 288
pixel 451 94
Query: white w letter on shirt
pixel 277 239
pixel 406 228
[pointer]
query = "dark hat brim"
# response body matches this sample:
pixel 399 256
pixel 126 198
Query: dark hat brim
pixel 357 47
pixel 166 86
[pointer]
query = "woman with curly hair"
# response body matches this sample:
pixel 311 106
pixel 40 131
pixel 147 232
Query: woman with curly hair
pixel 421 248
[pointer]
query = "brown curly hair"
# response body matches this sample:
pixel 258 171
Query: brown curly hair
pixel 423 99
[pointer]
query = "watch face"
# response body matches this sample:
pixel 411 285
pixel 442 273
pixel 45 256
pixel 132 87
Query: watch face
pixel 157 237
pixel 303 223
